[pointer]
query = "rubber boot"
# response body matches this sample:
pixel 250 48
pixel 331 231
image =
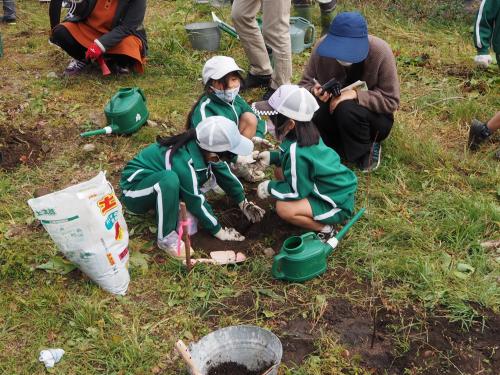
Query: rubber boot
pixel 327 15
pixel 303 8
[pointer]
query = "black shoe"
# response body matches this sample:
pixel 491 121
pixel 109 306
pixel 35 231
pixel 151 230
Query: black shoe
pixel 371 160
pixel 478 133
pixel 269 92
pixel 253 81
pixel 11 20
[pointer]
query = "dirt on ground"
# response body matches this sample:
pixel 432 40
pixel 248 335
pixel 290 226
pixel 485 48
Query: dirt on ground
pixel 232 368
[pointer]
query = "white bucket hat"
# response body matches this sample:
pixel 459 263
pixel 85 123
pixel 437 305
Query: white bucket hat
pixel 219 134
pixel 217 67
pixel 291 101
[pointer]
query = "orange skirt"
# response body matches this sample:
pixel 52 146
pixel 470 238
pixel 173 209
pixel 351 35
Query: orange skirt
pixel 130 46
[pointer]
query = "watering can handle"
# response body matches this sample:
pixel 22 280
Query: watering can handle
pixel 276 265
pixel 142 94
pixel 313 36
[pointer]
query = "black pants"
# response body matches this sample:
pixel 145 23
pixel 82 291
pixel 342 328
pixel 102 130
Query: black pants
pixel 351 128
pixel 63 38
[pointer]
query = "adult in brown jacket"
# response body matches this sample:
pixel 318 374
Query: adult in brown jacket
pixel 355 122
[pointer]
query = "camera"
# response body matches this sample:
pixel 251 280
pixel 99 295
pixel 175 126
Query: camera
pixel 332 86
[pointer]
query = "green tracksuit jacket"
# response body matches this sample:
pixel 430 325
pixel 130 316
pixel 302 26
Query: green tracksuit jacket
pixel 211 105
pixel 487 27
pixel 150 180
pixel 315 173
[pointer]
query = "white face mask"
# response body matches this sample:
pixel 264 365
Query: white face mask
pixel 228 95
pixel 344 63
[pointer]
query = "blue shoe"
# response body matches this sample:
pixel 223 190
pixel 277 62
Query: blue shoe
pixel 371 160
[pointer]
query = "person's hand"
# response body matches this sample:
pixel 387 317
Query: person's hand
pixel 258 141
pixel 345 95
pixel 483 61
pixel 317 91
pixel 229 234
pixel 247 159
pixel 252 212
pixel 263 158
pixel 93 52
pixel 262 192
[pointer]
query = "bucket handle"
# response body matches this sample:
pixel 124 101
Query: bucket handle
pixel 277 265
pixel 312 37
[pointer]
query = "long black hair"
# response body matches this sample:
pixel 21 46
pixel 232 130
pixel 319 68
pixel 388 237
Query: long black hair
pixel 207 89
pixel 304 132
pixel 177 141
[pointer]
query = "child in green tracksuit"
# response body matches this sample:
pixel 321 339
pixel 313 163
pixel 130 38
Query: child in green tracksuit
pixel 222 82
pixel 487 32
pixel 175 168
pixel 316 191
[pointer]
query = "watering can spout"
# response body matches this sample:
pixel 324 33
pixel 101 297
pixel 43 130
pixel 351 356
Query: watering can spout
pixel 334 241
pixel 106 130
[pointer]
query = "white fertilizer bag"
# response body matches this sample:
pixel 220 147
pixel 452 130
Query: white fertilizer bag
pixel 86 223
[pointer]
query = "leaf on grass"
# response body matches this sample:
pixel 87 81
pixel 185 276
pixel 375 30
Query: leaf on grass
pixel 465 268
pixel 268 314
pixel 139 261
pixel 57 264
pixel 269 293
pixel 445 262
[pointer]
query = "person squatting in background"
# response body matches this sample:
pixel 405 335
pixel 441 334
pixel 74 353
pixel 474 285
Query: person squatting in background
pixel 174 168
pixel 353 122
pixel 316 191
pixel 487 32
pixel 275 35
pixel 112 29
pixel 303 8
pixel 222 80
pixel 9 12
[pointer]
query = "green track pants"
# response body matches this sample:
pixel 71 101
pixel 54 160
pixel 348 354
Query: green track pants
pixel 157 190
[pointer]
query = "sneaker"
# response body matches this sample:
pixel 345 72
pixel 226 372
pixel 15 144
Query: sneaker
pixel 9 20
pixel 248 172
pixel 253 81
pixel 478 133
pixel 483 61
pixel 169 245
pixel 371 160
pixel 269 92
pixel 74 68
pixel 325 236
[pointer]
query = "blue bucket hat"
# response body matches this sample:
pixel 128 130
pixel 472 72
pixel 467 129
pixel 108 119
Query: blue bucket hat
pixel 347 38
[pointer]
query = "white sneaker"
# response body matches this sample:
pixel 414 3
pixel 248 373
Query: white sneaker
pixel 483 61
pixel 169 245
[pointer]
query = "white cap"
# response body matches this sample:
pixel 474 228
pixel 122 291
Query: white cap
pixel 291 101
pixel 219 134
pixel 217 67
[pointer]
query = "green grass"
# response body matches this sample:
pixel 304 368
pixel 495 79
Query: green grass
pixel 429 205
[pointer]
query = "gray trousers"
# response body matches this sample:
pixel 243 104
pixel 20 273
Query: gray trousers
pixel 275 34
pixel 9 9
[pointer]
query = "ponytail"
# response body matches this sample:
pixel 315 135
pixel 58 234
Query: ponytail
pixel 177 141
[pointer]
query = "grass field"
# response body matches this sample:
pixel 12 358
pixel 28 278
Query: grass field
pixel 397 298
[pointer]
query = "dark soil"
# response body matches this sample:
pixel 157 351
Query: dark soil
pixel 232 368
pixel 18 147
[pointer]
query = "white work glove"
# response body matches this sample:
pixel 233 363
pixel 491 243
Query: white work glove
pixel 263 158
pixel 483 61
pixel 252 212
pixel 247 159
pixel 262 142
pixel 229 234
pixel 262 192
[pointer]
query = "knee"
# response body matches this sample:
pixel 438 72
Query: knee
pixel 284 210
pixel 58 34
pixel 346 113
pixel 169 182
pixel 239 17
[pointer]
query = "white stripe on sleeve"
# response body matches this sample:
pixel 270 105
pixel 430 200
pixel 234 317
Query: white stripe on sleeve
pixel 293 171
pixel 212 219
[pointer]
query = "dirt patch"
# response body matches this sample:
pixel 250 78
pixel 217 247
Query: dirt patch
pixel 297 341
pixel 18 148
pixel 232 368
pixel 270 232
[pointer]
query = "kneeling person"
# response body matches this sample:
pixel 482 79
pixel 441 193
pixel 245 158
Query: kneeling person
pixel 316 191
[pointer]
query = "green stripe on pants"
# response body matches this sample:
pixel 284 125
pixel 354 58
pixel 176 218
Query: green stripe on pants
pixel 158 190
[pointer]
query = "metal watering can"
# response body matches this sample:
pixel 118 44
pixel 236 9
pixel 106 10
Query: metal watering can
pixel 125 113
pixel 302 34
pixel 304 257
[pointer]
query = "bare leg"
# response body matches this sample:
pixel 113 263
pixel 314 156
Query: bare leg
pixel 248 125
pixel 494 123
pixel 298 213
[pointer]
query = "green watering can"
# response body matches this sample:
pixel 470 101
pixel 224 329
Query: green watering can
pixel 304 257
pixel 125 113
